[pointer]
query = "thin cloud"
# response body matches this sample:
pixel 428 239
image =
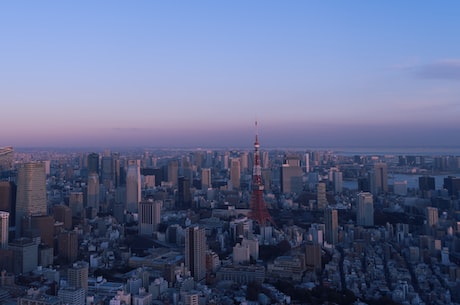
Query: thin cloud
pixel 445 69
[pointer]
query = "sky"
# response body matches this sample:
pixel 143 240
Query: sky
pixel 199 73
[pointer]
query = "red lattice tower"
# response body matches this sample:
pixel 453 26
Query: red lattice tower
pixel 259 210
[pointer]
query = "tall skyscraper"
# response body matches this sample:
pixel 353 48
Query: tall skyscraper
pixel 195 252
pixel 307 162
pixel 76 204
pixel 107 172
pixel 93 193
pixel 31 192
pixel 184 194
pixel 8 199
pixel 321 199
pixel 432 216
pixel 235 173
pixel 149 216
pixel 365 210
pixel 206 178
pixel 331 221
pixel 4 227
pixel 379 178
pixel 93 163
pixel 337 181
pixel 133 186
pixel 68 246
pixel 173 172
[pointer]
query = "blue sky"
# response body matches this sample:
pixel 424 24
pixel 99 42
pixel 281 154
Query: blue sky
pixel 198 73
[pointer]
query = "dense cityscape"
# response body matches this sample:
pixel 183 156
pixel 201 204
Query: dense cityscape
pixel 228 226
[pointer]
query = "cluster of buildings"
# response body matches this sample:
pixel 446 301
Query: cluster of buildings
pixel 224 226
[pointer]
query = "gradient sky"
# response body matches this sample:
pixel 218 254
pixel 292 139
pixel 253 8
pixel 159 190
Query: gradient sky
pixel 198 73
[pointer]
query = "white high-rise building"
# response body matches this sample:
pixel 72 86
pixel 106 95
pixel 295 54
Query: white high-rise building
pixel 365 210
pixel 133 186
pixel 4 223
pixel 149 216
pixel 31 192
pixel 307 162
pixel 241 254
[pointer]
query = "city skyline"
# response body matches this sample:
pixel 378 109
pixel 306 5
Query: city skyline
pixel 156 74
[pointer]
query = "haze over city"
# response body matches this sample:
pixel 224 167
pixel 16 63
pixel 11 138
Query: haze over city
pixel 198 74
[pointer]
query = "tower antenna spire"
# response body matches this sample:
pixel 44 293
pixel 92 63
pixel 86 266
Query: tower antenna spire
pixel 259 211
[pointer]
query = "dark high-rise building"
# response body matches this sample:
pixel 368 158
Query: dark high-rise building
pixel 8 200
pixel 331 222
pixel 426 183
pixel 107 171
pixel 184 194
pixel 39 226
pixel 63 214
pixel 68 246
pixel 195 252
pixel 93 163
pixel 379 179
pixel 452 185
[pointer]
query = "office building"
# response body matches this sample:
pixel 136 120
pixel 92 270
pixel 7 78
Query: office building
pixel 379 179
pixel 321 199
pixel 25 255
pixel 313 255
pixel 8 199
pixel 107 171
pixel 93 163
pixel 6 158
pixel 337 182
pixel 291 175
pixel 149 216
pixel 72 296
pixel 365 210
pixel 77 275
pixel 452 185
pixel 92 197
pixel 39 226
pixel 184 193
pixel 31 192
pixel 4 229
pixel 426 183
pixel 133 186
pixel 63 213
pixel 76 204
pixel 432 216
pixel 241 254
pixel 173 172
pixel 195 252
pixel 331 222
pixel 235 173
pixel 68 246
pixel 206 178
